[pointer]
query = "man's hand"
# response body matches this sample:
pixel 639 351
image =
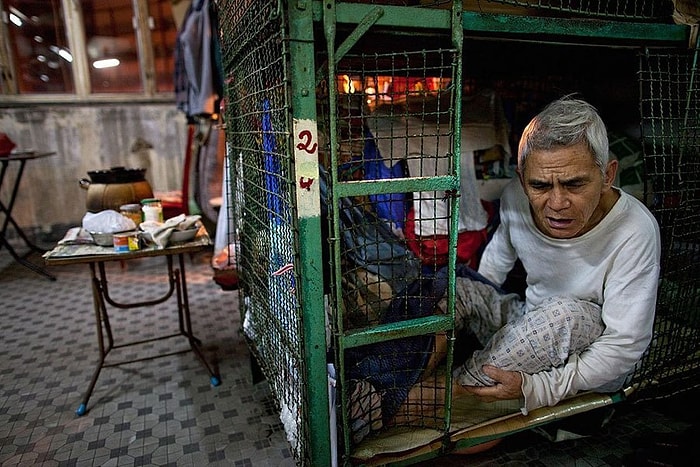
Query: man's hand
pixel 507 386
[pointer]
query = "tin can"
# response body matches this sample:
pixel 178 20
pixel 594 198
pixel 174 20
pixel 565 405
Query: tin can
pixel 121 242
pixel 125 242
pixel 131 211
pixel 152 210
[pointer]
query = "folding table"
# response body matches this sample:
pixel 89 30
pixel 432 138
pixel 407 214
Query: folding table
pixel 96 257
pixel 21 158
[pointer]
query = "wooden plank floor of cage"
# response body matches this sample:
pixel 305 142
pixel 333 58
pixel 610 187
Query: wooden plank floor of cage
pixel 473 423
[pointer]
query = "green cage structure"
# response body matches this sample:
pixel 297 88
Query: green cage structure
pixel 367 144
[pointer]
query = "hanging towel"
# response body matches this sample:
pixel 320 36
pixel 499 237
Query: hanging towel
pixel 198 73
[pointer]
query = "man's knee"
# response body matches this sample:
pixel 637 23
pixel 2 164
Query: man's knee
pixel 543 338
pixel 565 309
pixel 580 320
pixel 483 308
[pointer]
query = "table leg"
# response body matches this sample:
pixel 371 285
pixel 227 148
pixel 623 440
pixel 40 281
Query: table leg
pixel 184 314
pixel 100 318
pixel 9 220
pixel 24 262
pixel 103 297
pixel 105 341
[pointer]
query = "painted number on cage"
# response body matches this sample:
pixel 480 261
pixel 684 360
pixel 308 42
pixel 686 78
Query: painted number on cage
pixel 306 167
pixel 305 183
pixel 307 142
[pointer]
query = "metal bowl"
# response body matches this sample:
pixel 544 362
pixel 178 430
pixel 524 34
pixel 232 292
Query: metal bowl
pixel 106 238
pixel 103 238
pixel 180 236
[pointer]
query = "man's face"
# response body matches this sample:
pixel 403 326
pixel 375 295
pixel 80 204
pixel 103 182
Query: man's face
pixel 568 194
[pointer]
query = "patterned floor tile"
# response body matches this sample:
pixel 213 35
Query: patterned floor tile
pixel 162 411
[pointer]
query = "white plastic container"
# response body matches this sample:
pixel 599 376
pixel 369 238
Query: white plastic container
pixel 152 210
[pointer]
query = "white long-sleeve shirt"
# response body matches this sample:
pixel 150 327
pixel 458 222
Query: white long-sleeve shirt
pixel 616 265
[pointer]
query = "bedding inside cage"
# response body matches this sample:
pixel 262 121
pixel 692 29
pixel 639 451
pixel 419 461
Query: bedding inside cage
pixel 473 423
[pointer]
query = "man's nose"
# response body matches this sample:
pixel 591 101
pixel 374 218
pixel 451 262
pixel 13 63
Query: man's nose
pixel 558 199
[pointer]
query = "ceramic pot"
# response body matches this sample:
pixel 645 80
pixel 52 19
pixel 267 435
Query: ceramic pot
pixel 110 189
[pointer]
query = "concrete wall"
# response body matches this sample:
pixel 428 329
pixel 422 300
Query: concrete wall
pixel 86 138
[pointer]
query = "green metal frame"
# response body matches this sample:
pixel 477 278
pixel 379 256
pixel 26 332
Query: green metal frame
pixel 310 292
pixel 365 17
pixel 540 29
pixel 553 29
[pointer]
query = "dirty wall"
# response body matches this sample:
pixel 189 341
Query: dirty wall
pixel 87 138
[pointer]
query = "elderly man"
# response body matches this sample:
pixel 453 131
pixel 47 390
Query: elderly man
pixel 591 254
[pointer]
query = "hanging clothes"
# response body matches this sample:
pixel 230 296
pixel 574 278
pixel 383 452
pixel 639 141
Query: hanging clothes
pixel 198 77
pixel 198 72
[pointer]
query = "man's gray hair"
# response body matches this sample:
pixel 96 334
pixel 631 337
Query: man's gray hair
pixel 565 122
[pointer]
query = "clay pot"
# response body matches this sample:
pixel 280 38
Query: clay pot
pixel 117 175
pixel 110 189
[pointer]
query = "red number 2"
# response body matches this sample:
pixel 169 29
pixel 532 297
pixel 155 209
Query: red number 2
pixel 306 138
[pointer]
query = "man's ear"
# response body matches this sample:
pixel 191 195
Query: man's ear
pixel 610 172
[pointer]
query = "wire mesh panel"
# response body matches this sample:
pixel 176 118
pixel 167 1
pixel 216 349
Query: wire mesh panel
pixel 670 104
pixel 399 193
pixel 412 3
pixel 398 124
pixel 395 169
pixel 257 113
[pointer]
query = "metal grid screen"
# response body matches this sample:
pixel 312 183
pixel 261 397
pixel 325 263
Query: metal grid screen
pixel 395 125
pixel 670 105
pixel 392 182
pixel 255 59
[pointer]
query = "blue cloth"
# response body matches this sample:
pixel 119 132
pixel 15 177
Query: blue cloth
pixel 392 207
pixel 273 169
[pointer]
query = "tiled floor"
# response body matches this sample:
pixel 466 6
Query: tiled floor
pixel 164 411
pixel 157 412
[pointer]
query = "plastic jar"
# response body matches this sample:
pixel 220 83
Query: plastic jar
pixel 152 210
pixel 131 211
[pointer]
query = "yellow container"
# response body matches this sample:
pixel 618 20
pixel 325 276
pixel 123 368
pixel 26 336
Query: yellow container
pixel 131 211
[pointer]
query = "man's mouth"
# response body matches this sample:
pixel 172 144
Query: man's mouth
pixel 558 223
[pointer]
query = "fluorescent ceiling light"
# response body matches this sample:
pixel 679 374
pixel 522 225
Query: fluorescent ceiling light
pixel 105 63
pixel 65 55
pixel 61 52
